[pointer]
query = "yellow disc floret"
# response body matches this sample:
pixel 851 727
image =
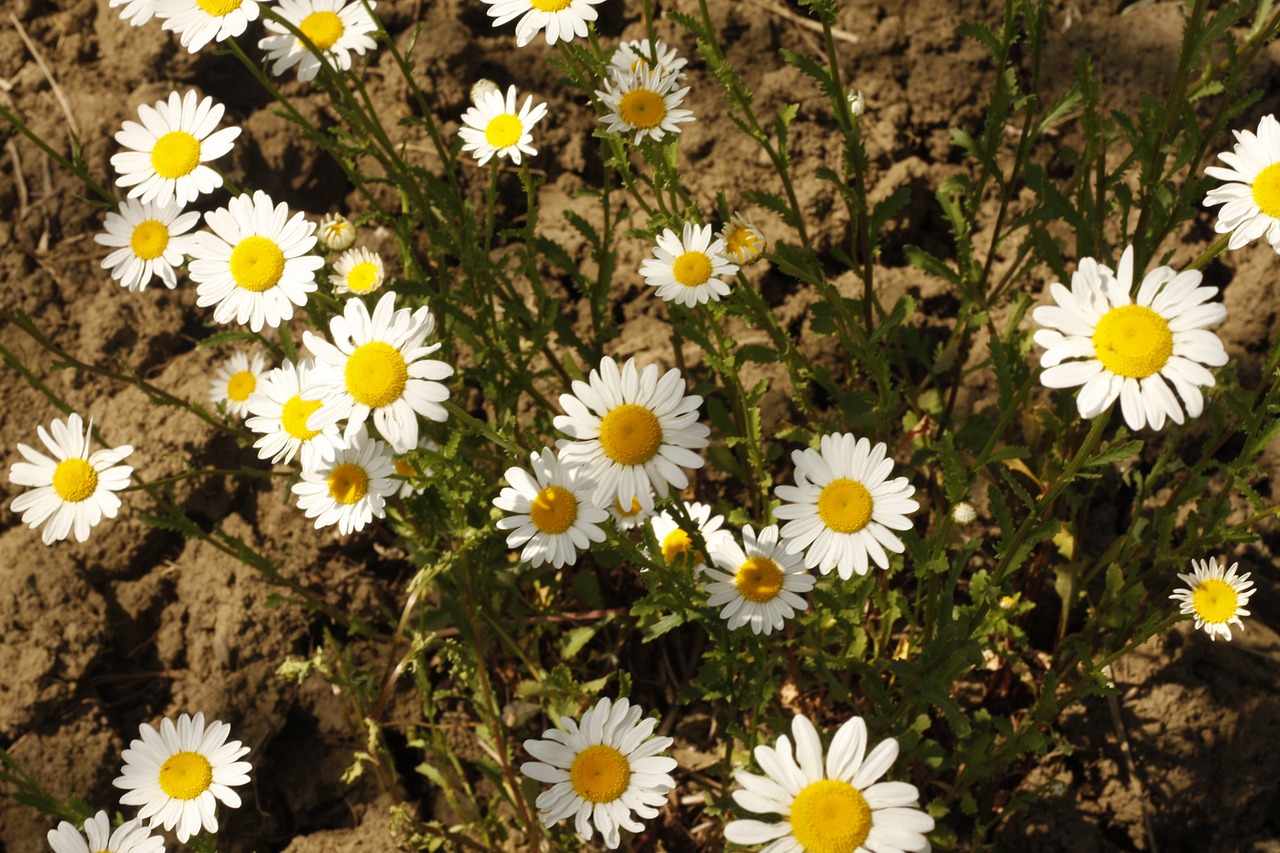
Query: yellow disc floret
pixel 1133 341
pixel 149 240
pixel 175 154
pixel 293 417
pixel 759 579
pixel 692 268
pixel 550 5
pixel 218 8
pixel 600 774
pixel 630 434
pixel 1215 601
pixel 241 385
pixel 185 775
pixel 376 374
pixel 678 544
pixel 744 243
pixel 830 816
pixel 554 510
pixel 642 109
pixel 323 28
pixel 257 264
pixel 1266 190
pixel 74 479
pixel 503 130
pixel 363 277
pixel 845 506
pixel 627 513
pixel 348 483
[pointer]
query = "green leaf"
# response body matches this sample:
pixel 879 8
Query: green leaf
pixel 1115 453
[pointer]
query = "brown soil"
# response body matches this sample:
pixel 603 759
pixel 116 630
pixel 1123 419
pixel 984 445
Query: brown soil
pixel 139 623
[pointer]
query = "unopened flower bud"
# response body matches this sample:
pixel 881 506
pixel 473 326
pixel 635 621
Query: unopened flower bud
pixel 963 513
pixel 482 87
pixel 857 103
pixel 337 233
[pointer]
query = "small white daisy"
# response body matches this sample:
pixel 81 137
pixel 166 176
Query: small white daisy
pixel 1251 197
pixel 351 490
pixel 843 507
pixel 633 55
pixel 685 269
pixel 761 587
pixel 743 241
pixel 132 836
pixel 378 365
pixel 74 489
pixel 179 774
pixel 358 271
pixel 152 241
pixel 167 152
pixel 254 266
pixel 198 22
pixel 601 770
pixel 554 514
pixel 1215 597
pixel 562 19
pixel 1133 349
pixel 236 380
pixel 337 27
pixel 412 474
pixel 280 412
pixel 336 233
pixel 492 127
pixel 830 806
pixel 630 516
pixel 677 547
pixel 633 430
pixel 643 101
pixel 136 12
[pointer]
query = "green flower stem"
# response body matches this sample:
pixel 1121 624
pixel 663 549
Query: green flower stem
pixel 484 429
pixel 79 169
pixel 1216 248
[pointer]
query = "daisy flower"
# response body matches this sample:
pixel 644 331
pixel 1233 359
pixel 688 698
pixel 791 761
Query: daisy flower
pixel 167 152
pixel 644 101
pixel 255 265
pixel 1251 197
pixel 492 127
pixel 73 490
pixel 180 773
pixel 132 836
pixel 633 431
pixel 831 805
pixel 411 483
pixel 743 241
pixel 562 19
pixel 1216 598
pixel 602 770
pixel 843 507
pixel 685 268
pixel 358 271
pixel 237 379
pixel 136 12
pixel 378 365
pixel 280 413
pixel 554 514
pixel 761 586
pixel 351 490
pixel 678 549
pixel 633 55
pixel 1134 349
pixel 336 232
pixel 336 27
pixel 150 240
pixel 198 22
pixel 630 516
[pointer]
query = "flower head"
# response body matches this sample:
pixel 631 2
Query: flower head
pixel 677 547
pixel 150 241
pixel 337 27
pixel 492 126
pixel 632 56
pixel 198 22
pixel 554 513
pixel 336 233
pixel 759 586
pixel 744 243
pixel 413 474
pixel 644 101
pixel 358 271
pixel 963 513
pixel 561 19
pixel 351 490
pixel 281 408
pixel 686 269
pixel 136 12
pixel 237 379
pixel 630 515
pixel 1215 597
pixel 132 836
pixel 1250 198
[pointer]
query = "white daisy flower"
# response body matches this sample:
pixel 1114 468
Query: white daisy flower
pixel 358 271
pixel 1215 597
pixel 644 101
pixel 562 19
pixel 830 806
pixel 413 475
pixel 236 380
pixel 132 836
pixel 281 408
pixel 492 127
pixel 761 587
pixel 1251 197
pixel 632 56
pixel 151 240
pixel 686 269
pixel 337 27
pixel 198 22
pixel 167 152
pixel 378 365
pixel 554 514
pixel 633 431
pixel 254 266
pixel 136 12
pixel 336 232
pixel 843 507
pixel 179 774
pixel 73 490
pixel 630 516
pixel 601 770
pixel 677 547
pixel 351 490
pixel 1134 349
pixel 743 241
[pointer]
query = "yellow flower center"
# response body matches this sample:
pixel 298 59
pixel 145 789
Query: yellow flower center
pixel 1215 601
pixel 257 264
pixel 1133 341
pixel 830 816
pixel 218 8
pixel 1266 190
pixel 323 28
pixel 550 5
pixel 348 483
pixel 294 417
pixel 185 775
pixel 74 479
pixel 240 386
pixel 600 774
pixel 175 154
pixel 759 579
pixel 678 544
pixel 503 131
pixel 642 109
pixel 404 469
pixel 363 277
pixel 744 243
pixel 627 513
pixel 845 506
pixel 630 434
pixel 554 510
pixel 149 240
pixel 376 374
pixel 692 269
